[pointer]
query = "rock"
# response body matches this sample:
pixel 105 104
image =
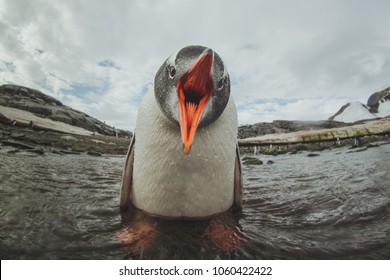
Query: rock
pixel 251 161
pixel 69 138
pixel 98 141
pixel 96 154
pixel 4 133
pixel 17 135
pixel 274 151
pixel 299 147
pixel 372 145
pixel 37 151
pixel 67 152
pixel 40 110
pixel 270 162
pixel 376 101
pixel 313 155
pixel 357 150
pixel 54 151
pixel 4 119
pixel 17 145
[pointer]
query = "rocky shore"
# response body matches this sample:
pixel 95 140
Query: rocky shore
pixel 355 125
pixel 47 108
pixel 14 139
pixel 360 135
pixel 353 144
pixel 35 123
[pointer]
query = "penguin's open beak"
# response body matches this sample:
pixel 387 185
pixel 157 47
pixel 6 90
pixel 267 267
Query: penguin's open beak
pixel 194 90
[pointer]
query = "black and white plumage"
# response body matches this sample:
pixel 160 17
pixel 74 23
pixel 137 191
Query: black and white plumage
pixel 183 160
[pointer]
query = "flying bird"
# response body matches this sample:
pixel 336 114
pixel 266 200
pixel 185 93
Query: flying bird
pixel 183 160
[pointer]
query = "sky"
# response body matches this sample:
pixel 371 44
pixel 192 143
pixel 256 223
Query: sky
pixel 291 60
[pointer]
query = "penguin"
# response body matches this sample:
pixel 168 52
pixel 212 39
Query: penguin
pixel 183 161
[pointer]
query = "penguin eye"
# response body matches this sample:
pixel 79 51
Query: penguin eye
pixel 171 71
pixel 221 83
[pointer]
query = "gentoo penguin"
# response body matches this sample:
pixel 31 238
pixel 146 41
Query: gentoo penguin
pixel 183 160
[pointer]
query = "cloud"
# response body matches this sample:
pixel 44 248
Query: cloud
pixel 287 59
pixel 109 64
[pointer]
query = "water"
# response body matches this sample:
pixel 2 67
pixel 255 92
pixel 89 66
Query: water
pixel 333 206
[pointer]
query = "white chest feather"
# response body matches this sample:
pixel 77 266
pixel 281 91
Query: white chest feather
pixel 166 182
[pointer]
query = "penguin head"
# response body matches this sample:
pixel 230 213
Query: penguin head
pixel 192 89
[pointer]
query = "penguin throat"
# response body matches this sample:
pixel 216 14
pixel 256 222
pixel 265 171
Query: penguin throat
pixel 194 90
pixel 193 97
pixel 192 102
pixel 195 86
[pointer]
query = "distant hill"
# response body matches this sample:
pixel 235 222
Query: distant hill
pixel 378 106
pixel 45 108
pixel 284 126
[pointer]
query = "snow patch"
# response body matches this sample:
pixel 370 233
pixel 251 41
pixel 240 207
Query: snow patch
pixel 384 108
pixel 26 117
pixel 355 111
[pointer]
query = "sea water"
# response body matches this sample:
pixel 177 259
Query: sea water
pixel 332 206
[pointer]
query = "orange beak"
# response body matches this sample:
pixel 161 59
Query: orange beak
pixel 194 90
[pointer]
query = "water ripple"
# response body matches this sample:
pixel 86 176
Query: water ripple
pixel 334 206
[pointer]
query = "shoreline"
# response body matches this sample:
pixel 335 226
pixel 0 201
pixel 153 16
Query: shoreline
pixel 22 130
pixel 14 139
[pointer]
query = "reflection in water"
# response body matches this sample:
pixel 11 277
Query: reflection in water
pixel 155 238
pixel 333 206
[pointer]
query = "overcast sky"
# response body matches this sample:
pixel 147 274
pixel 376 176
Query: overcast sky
pixel 298 60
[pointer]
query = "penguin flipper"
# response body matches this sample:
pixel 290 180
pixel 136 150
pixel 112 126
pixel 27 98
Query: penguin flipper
pixel 238 181
pixel 127 178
